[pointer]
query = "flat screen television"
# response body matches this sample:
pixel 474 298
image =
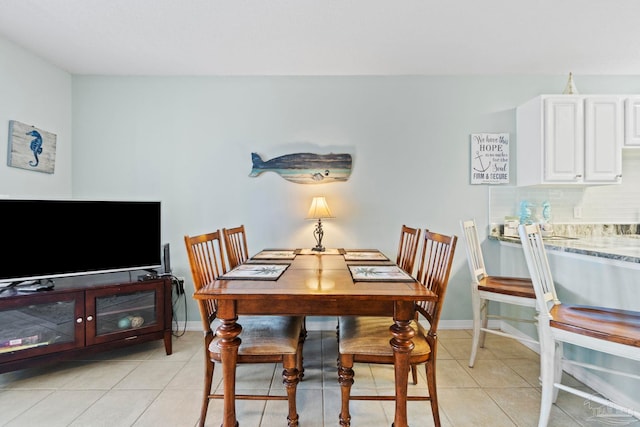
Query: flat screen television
pixel 56 238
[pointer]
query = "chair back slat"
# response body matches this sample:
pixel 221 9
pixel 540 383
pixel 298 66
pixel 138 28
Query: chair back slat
pixel 538 264
pixel 235 240
pixel 206 260
pixel 408 248
pixel 473 250
pixel 434 267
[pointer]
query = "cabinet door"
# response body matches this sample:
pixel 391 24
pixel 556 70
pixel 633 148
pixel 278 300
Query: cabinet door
pixel 38 324
pixel 632 122
pixel 603 139
pixel 124 312
pixel 563 139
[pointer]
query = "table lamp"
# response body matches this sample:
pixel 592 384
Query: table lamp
pixel 318 210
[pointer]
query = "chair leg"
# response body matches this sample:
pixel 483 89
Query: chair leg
pixel 414 374
pixel 557 371
pixel 345 378
pixel 433 391
pixel 208 382
pixel 299 355
pixel 291 378
pixel 476 303
pixel 547 375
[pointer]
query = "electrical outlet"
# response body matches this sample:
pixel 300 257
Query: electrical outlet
pixel 577 211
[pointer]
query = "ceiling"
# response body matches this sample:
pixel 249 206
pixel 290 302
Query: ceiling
pixel 328 37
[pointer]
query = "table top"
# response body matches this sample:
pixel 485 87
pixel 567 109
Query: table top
pixel 318 276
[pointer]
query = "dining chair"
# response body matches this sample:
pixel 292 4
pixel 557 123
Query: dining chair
pixel 406 258
pixel 499 289
pixel 237 250
pixel 408 248
pixel 366 339
pixel 265 339
pixel 601 329
pixel 235 241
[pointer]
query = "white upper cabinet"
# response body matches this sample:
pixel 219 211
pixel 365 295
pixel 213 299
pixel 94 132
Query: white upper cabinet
pixel 570 139
pixel 632 122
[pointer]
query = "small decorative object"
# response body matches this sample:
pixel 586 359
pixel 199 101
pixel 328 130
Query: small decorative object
pixel 318 210
pixel 546 228
pixel 137 321
pixel 124 323
pixel 490 158
pixel 306 168
pixel 571 88
pixel 525 212
pixel 31 148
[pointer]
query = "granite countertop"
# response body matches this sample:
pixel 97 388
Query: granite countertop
pixel 615 242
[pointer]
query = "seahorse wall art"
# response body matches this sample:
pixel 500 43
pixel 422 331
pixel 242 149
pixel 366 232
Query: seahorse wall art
pixel 31 148
pixel 305 168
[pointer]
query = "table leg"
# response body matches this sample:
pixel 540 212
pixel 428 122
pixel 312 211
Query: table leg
pixel 229 342
pixel 402 346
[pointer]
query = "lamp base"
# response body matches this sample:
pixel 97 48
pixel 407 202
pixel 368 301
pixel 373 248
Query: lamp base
pixel 319 249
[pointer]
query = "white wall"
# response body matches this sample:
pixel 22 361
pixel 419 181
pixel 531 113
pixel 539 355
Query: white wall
pixel 39 94
pixel 187 141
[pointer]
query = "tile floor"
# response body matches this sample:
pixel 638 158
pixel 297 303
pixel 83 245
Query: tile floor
pixel 141 386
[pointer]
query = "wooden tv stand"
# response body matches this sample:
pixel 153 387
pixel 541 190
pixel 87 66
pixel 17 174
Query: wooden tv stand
pixel 83 314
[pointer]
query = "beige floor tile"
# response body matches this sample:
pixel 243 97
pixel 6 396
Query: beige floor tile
pixel 522 405
pixel 495 373
pixel 150 375
pixel 51 376
pixel 472 407
pixel 176 408
pixel 116 408
pixel 451 374
pixel 15 402
pixel 100 375
pixel 59 408
pixel 507 348
pixel 460 349
pixel 527 369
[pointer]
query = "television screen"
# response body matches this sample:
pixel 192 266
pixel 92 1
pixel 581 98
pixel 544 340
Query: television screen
pixel 54 238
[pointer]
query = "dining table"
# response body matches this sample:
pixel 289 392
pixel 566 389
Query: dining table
pixel 303 282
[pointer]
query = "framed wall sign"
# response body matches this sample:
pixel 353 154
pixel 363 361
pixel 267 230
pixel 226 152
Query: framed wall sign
pixel 31 148
pixel 489 158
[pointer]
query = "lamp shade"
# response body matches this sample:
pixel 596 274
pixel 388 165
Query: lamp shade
pixel 319 209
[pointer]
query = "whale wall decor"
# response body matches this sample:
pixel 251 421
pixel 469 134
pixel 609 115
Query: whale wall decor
pixel 305 168
pixel 31 148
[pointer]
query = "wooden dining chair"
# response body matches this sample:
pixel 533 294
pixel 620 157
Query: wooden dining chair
pixel 235 241
pixel 408 248
pixel 405 259
pixel 265 339
pixel 606 330
pixel 237 250
pixel 498 289
pixel 366 339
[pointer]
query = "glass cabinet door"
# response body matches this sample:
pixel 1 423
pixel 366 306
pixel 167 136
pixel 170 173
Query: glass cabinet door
pixel 36 324
pixel 116 313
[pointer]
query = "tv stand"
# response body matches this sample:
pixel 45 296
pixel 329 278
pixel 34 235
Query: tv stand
pixel 83 314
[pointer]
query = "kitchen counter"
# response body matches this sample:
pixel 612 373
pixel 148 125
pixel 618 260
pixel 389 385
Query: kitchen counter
pixel 619 247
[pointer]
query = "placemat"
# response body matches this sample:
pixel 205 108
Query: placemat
pixel 326 252
pixel 275 254
pixel 379 273
pixel 364 256
pixel 255 272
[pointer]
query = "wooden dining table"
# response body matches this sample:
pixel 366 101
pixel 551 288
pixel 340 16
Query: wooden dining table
pixel 316 284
